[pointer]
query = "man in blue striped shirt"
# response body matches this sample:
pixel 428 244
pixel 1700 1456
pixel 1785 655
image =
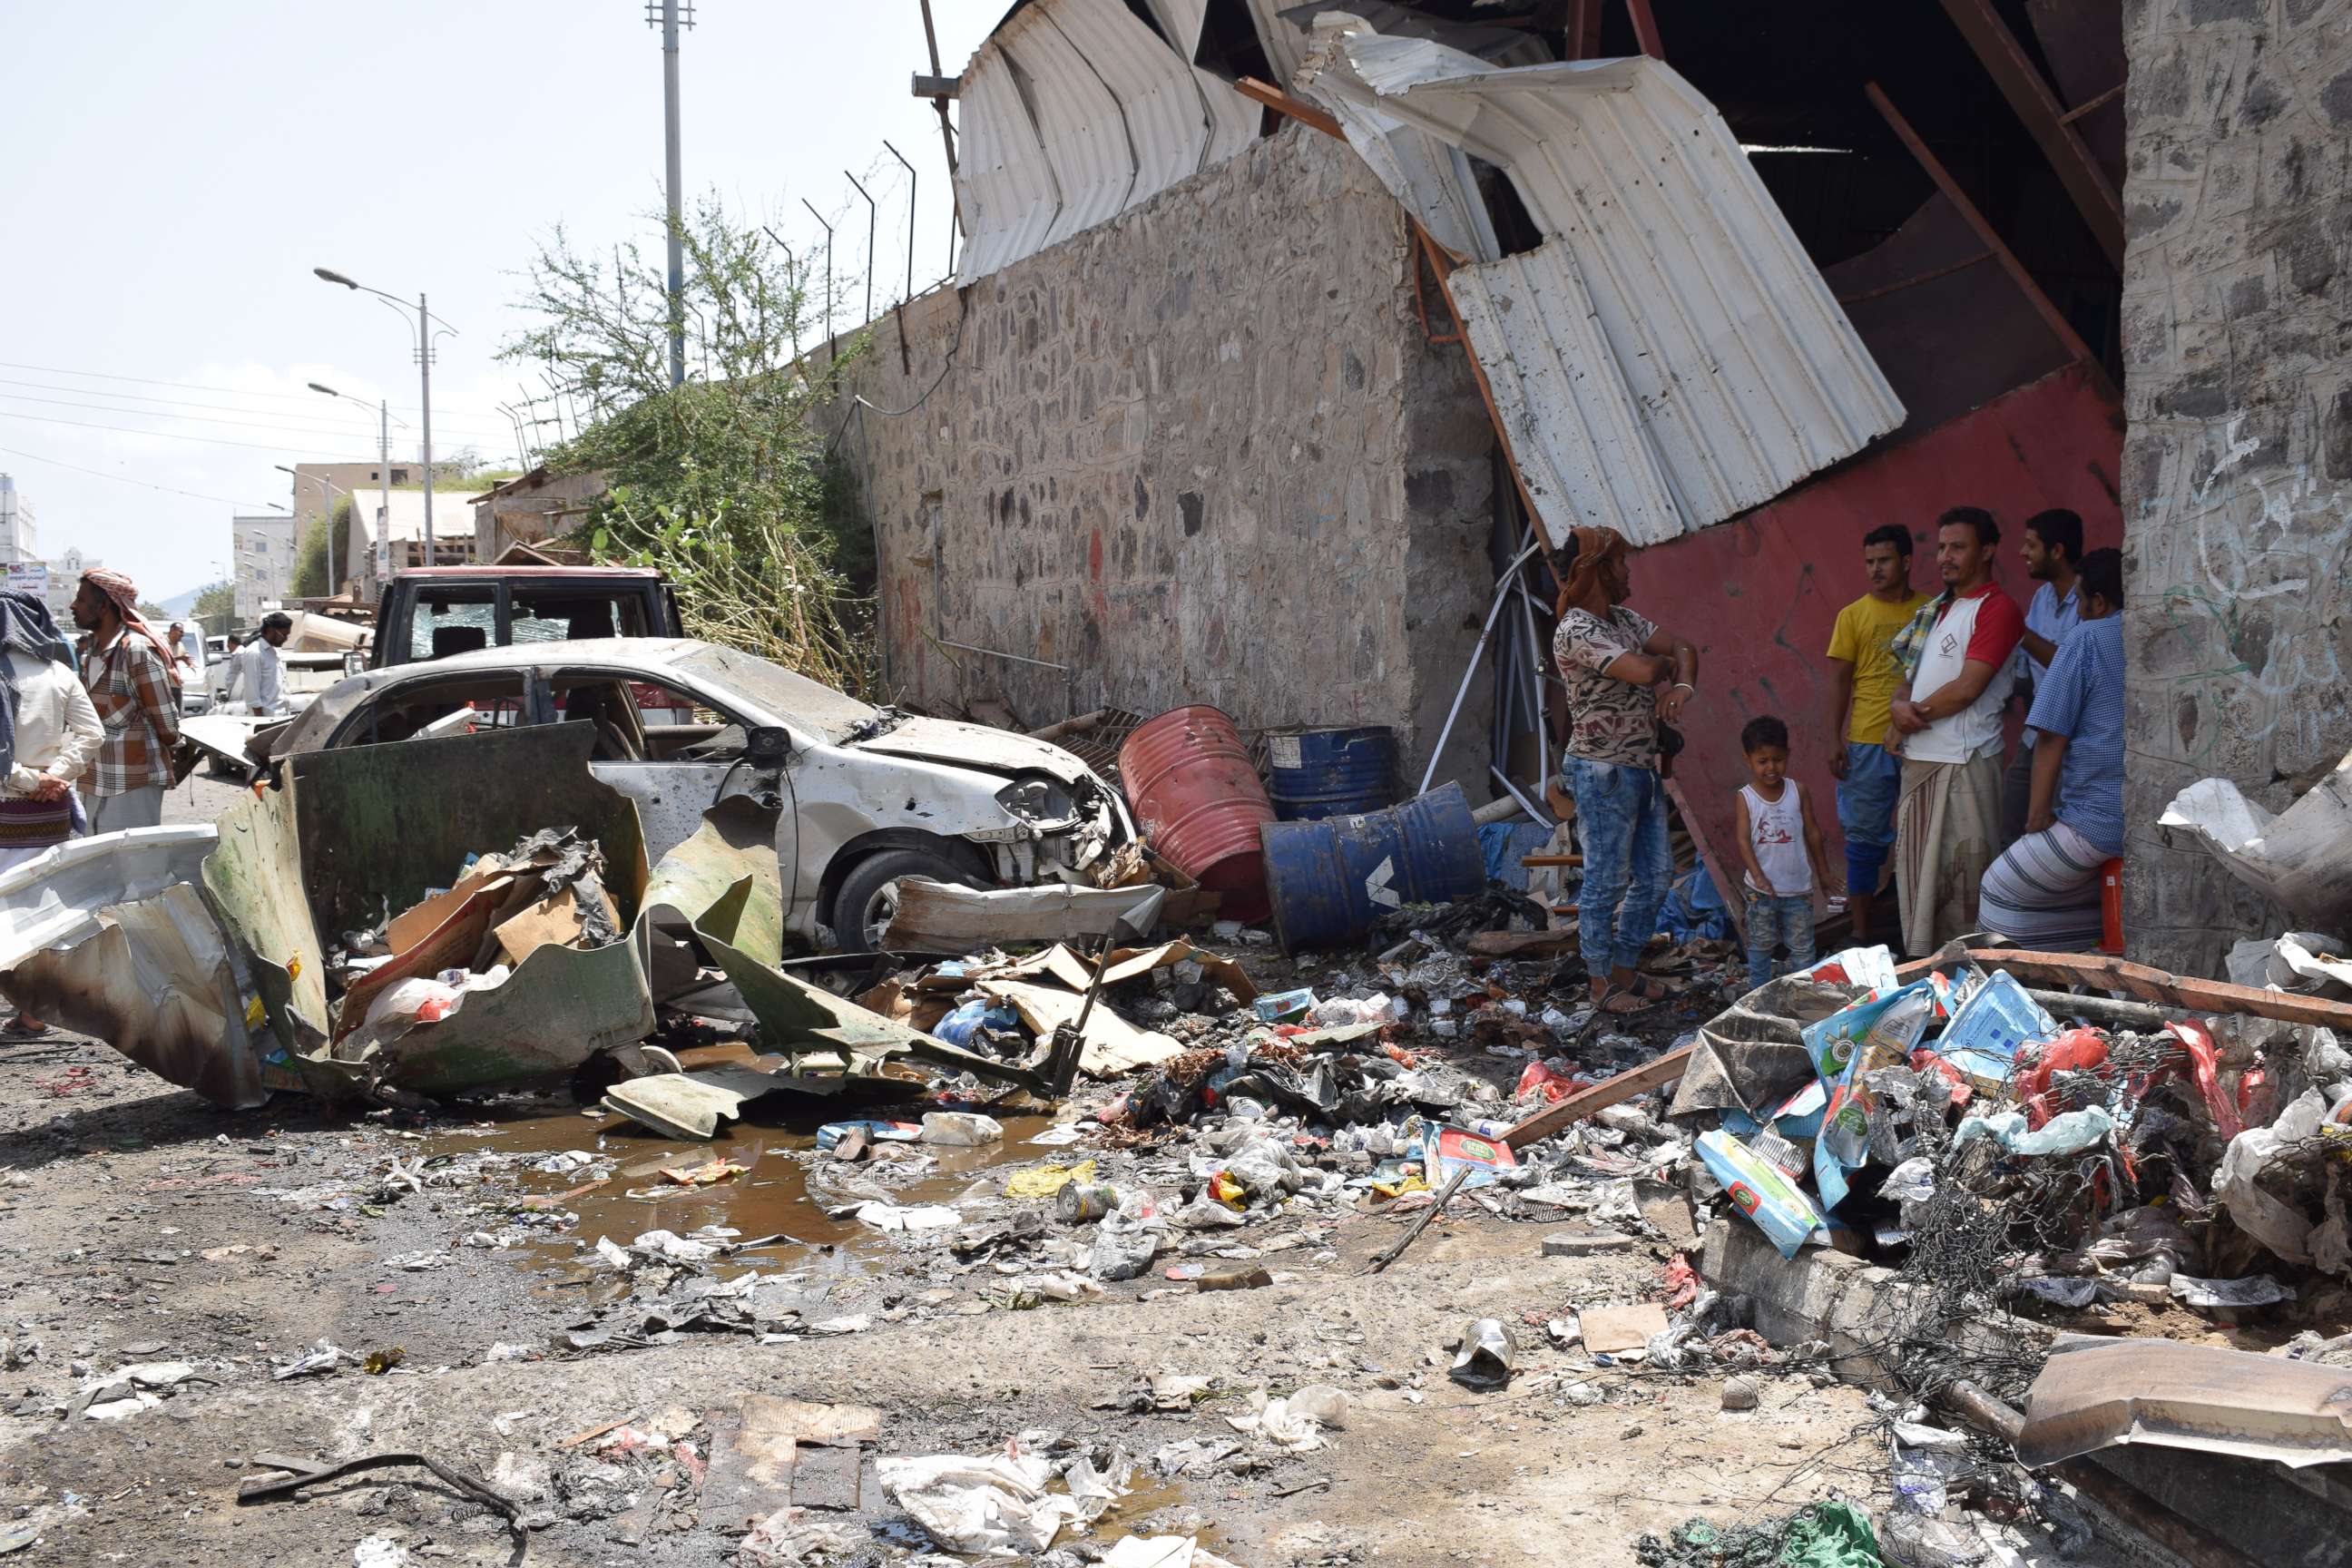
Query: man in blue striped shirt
pixel 2045 891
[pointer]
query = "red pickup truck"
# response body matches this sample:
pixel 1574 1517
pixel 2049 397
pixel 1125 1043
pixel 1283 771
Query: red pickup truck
pixel 432 612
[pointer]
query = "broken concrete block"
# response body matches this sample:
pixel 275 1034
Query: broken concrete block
pixel 1572 1243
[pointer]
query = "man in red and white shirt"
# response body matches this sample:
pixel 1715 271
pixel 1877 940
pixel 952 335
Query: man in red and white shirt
pixel 125 666
pixel 1948 726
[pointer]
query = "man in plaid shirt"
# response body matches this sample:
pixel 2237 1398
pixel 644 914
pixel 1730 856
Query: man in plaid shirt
pixel 128 673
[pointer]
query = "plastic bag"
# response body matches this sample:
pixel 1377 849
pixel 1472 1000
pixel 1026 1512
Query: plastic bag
pixel 1125 1244
pixel 1760 1191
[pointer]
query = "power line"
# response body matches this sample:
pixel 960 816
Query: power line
pixel 171 402
pixel 164 435
pixel 198 386
pixel 118 478
pixel 290 424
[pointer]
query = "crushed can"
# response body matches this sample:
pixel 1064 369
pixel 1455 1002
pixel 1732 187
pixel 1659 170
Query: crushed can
pixel 1078 1202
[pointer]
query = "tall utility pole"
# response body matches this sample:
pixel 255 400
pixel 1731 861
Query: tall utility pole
pixel 426 330
pixel 669 21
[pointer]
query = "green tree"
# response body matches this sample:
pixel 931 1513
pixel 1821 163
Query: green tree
pixel 721 483
pixel 310 561
pixel 216 607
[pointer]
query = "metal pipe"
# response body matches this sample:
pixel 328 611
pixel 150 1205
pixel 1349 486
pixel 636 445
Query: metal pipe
pixel 871 213
pixel 1502 597
pixel 425 370
pixel 1531 808
pixel 671 164
pixel 829 350
pixel 911 216
pixel 792 270
pixel 947 139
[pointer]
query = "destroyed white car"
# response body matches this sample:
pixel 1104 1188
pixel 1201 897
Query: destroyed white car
pixel 870 795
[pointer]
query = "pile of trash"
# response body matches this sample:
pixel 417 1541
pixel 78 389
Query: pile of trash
pixel 2029 1146
pixel 420 965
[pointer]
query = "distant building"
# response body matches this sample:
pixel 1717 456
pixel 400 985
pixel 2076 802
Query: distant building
pixel 263 572
pixel 312 480
pixel 65 582
pixel 377 547
pixel 532 509
pixel 17 544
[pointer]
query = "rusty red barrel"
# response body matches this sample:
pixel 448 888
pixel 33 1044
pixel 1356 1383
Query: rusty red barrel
pixel 1190 780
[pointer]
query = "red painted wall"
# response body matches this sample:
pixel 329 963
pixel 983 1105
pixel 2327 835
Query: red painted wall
pixel 1758 594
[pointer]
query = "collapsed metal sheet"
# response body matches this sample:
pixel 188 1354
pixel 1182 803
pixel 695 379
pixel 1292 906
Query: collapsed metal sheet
pixel 108 936
pixel 353 835
pixel 156 980
pixel 2095 1393
pixel 1580 443
pixel 55 899
pixel 2300 858
pixel 726 879
pixel 1722 345
pixel 1075 111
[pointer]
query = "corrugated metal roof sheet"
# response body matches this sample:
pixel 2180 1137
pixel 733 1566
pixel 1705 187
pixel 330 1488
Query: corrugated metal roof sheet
pixel 1081 125
pixel 1727 351
pixel 1075 111
pixel 1429 175
pixel 1284 41
pixel 1004 188
pixel 1576 437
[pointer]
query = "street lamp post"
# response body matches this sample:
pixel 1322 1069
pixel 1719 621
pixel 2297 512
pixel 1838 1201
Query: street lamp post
pixel 426 332
pixel 381 532
pixel 328 489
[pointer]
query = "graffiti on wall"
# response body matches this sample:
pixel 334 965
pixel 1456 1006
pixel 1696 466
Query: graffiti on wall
pixel 2254 612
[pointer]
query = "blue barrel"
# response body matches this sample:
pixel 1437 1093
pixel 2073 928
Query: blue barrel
pixel 1332 773
pixel 1330 879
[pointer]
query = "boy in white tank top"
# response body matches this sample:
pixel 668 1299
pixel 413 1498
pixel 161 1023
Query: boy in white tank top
pixel 1780 847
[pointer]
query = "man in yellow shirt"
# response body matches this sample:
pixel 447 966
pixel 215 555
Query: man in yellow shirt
pixel 1869 676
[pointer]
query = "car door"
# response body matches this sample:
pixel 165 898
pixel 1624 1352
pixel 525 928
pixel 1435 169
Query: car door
pixel 664 747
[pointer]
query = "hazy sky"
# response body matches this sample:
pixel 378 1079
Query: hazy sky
pixel 173 171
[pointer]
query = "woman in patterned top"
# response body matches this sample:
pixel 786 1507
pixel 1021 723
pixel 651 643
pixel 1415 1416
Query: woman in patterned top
pixel 1623 676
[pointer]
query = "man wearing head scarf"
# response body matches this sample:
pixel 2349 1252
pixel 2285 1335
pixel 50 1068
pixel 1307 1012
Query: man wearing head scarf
pixel 49 732
pixel 1623 676
pixel 127 670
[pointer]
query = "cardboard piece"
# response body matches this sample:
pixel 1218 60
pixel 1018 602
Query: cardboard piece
pixel 1609 1329
pixel 418 921
pixel 556 919
pixel 450 945
pixel 1077 971
pixel 1113 1046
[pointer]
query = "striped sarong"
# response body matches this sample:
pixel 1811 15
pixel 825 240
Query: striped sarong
pixel 2044 893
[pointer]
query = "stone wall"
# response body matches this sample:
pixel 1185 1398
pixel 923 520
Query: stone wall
pixel 2238 465
pixel 1202 453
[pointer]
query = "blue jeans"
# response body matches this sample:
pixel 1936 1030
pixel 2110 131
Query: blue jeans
pixel 1865 806
pixel 1620 826
pixel 1776 922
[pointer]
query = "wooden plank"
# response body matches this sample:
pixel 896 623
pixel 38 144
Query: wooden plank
pixel 1987 236
pixel 1281 103
pixel 1645 28
pixel 1725 887
pixel 2037 107
pixel 1654 1074
pixel 2148 984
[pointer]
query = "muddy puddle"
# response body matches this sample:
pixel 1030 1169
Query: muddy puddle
pixel 768 1202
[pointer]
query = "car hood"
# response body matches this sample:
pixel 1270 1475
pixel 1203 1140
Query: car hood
pixel 975 746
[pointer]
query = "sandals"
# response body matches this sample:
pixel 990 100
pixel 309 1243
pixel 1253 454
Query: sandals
pixel 1643 993
pixel 14 1030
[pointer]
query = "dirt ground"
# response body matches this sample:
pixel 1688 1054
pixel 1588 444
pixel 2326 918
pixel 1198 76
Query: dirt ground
pixel 136 1233
pixel 141 1226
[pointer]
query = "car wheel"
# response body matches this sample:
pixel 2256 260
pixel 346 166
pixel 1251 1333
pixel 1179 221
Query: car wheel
pixel 870 894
